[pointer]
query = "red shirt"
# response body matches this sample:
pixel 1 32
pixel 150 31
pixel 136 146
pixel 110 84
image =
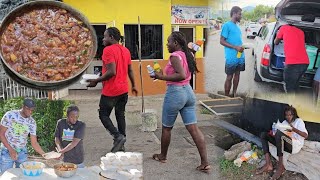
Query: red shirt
pixel 294 45
pixel 118 84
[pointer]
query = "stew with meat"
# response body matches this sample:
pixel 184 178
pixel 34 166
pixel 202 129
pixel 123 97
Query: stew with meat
pixel 47 44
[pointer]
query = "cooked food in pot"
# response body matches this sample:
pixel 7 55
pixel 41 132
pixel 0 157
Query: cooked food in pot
pixel 66 168
pixel 47 44
pixel 34 166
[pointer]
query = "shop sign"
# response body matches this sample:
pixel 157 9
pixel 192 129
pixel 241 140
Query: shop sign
pixel 189 15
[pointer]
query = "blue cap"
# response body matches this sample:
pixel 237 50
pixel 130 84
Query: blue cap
pixel 29 103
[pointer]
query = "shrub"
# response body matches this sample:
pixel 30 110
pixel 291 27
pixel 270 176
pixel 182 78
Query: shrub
pixel 46 115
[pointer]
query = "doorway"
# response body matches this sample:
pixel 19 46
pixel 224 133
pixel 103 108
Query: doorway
pixel 190 37
pixel 189 33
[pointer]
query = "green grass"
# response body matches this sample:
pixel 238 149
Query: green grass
pixel 205 111
pixel 230 171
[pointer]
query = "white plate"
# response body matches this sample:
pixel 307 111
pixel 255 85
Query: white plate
pixel 90 76
pixel 84 81
pixel 52 155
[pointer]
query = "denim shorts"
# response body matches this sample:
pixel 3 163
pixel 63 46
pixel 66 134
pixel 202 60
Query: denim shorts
pixel 7 162
pixel 179 99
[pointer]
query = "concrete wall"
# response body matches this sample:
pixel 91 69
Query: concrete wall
pixel 258 116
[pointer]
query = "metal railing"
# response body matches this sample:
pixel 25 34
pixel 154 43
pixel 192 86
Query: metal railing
pixel 11 89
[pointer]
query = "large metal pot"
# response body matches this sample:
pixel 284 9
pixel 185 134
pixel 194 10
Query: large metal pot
pixel 50 85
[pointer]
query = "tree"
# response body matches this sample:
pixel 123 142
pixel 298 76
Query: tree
pixel 259 12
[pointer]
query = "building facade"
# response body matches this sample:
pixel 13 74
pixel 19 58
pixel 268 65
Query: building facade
pixel 158 18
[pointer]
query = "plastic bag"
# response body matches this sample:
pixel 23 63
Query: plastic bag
pixel 245 156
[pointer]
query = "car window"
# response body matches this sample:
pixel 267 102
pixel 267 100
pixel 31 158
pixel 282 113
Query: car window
pixel 261 31
pixel 253 25
pixel 265 32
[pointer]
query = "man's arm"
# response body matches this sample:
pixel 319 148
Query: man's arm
pixel 277 41
pixel 13 153
pixel 131 77
pixel 35 144
pixel 58 143
pixel 71 145
pixel 279 36
pixel 223 42
pixel 111 71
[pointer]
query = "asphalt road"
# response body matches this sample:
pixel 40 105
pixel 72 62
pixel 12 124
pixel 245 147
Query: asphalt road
pixel 215 75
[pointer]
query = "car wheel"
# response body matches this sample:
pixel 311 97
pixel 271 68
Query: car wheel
pixel 257 77
pixel 252 52
pixel 248 37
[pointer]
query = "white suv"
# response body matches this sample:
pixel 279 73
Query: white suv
pixel 252 30
pixel 302 14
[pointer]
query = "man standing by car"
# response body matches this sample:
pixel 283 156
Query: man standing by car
pixel 296 60
pixel 231 39
pixel 116 67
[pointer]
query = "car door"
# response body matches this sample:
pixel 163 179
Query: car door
pixel 259 43
pixel 299 12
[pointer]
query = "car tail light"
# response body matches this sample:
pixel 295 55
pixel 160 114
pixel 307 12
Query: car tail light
pixel 266 55
pixel 248 30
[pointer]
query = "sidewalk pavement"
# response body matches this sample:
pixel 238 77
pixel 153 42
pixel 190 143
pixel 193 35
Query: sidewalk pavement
pixel 183 157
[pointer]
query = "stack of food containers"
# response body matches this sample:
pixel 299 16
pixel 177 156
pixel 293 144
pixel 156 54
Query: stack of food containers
pixel 128 165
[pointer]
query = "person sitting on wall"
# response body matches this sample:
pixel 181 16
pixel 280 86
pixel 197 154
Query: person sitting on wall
pixel 290 141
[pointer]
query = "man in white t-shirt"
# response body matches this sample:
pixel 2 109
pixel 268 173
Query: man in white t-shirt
pixel 290 141
pixel 15 127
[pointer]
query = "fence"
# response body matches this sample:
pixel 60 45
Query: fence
pixel 11 89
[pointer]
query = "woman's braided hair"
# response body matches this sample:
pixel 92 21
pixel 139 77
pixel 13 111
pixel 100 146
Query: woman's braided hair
pixel 181 40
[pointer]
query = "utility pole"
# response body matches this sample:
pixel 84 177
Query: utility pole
pixel 222 9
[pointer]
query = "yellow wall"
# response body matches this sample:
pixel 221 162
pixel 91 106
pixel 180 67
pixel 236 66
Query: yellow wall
pixel 191 2
pixel 127 12
pixel 150 12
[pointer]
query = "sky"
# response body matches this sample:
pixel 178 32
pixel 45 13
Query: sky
pixel 243 3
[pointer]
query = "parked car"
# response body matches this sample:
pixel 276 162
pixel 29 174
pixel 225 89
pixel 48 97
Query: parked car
pixel 252 30
pixel 298 13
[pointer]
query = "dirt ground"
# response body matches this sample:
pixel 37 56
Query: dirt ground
pixel 182 157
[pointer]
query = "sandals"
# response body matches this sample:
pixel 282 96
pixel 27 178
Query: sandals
pixel 157 158
pixel 205 169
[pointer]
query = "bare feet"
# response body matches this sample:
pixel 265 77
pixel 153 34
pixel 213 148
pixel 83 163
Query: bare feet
pixel 265 168
pixel 278 173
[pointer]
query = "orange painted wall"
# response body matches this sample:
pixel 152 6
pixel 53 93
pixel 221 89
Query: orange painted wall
pixel 159 87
